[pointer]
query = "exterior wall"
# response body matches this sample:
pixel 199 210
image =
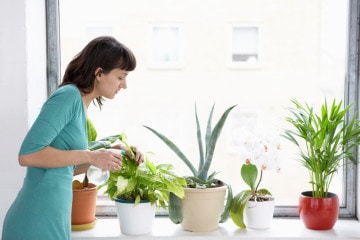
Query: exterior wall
pixel 293 65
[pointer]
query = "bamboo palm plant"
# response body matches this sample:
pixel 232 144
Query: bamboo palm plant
pixel 328 140
pixel 200 176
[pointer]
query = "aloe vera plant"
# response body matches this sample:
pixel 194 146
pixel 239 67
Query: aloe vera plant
pixel 200 176
pixel 328 141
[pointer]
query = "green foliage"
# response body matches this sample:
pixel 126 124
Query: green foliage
pixel 136 181
pixel 249 174
pixel 200 176
pixel 175 211
pixel 329 139
pixel 91 130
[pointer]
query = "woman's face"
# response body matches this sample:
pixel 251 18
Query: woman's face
pixel 109 84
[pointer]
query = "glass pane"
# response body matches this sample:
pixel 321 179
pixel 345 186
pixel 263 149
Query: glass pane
pixel 303 47
pixel 165 44
pixel 245 44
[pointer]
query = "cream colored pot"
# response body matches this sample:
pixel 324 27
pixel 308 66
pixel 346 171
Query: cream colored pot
pixel 202 208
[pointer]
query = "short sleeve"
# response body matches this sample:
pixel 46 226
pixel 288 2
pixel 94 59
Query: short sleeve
pixel 62 107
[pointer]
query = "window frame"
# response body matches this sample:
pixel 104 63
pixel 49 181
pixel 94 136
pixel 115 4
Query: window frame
pixel 350 96
pixel 52 45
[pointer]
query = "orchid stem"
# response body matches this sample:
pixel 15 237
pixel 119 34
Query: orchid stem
pixel 257 186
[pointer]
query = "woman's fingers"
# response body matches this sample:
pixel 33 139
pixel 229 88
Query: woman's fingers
pixel 116 162
pixel 139 157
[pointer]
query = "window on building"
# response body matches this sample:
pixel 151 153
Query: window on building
pixel 244 46
pixel 302 47
pixel 165 46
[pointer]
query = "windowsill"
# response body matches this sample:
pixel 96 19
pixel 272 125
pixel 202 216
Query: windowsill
pixel 281 229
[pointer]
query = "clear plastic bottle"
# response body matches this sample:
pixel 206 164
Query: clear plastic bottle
pixel 99 176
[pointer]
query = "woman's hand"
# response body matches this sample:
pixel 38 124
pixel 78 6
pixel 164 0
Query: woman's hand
pixel 106 159
pixel 139 156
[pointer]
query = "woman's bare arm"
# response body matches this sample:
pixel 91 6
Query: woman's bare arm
pixel 50 157
pixel 80 169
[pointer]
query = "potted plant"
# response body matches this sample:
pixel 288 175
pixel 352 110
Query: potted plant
pixel 326 141
pixel 139 189
pixel 85 191
pixel 83 206
pixel 193 212
pixel 254 207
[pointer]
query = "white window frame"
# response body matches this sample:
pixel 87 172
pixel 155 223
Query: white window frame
pixel 153 47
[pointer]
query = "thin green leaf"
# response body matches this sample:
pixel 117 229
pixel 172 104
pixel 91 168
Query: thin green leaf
pixel 175 149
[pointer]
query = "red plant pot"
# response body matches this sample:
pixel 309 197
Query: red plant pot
pixel 318 213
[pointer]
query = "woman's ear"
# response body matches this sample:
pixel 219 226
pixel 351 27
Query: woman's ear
pixel 98 71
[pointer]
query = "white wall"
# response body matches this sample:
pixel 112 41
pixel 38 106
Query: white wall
pixel 22 84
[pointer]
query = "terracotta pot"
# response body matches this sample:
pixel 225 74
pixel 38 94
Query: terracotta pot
pixel 135 220
pixel 84 206
pixel 318 213
pixel 202 208
pixel 259 215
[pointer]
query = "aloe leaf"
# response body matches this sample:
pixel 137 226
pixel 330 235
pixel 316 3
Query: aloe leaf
pixel 175 149
pixel 209 128
pixel 212 143
pixel 225 215
pixel 199 138
pixel 175 209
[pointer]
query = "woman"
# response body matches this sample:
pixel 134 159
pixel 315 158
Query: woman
pixel 57 142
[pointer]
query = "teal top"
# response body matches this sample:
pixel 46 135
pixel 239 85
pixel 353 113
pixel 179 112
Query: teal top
pixel 42 208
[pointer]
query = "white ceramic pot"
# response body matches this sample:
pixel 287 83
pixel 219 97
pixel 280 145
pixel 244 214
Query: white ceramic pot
pixel 259 215
pixel 135 220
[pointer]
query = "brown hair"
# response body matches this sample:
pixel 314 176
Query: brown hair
pixel 104 52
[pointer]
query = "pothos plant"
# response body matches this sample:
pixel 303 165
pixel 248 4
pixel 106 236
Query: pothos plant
pixel 94 144
pixel 200 176
pixel 137 181
pixel 258 153
pixel 148 181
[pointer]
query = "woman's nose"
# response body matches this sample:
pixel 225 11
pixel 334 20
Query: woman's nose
pixel 123 84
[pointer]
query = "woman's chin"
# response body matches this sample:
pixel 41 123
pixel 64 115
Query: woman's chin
pixel 110 97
